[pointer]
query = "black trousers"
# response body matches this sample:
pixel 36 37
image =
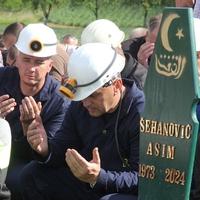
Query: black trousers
pixel 40 182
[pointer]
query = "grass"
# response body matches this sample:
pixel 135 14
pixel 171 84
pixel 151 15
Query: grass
pixel 24 15
pixel 27 16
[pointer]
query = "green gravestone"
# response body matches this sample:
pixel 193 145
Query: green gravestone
pixel 168 126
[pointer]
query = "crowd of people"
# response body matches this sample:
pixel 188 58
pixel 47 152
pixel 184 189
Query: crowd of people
pixel 70 111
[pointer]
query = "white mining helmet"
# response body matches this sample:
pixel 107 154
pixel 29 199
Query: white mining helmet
pixel 89 68
pixel 37 40
pixel 197 33
pixel 103 31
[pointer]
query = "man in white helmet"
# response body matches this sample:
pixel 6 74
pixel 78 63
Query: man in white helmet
pixel 28 90
pixel 95 153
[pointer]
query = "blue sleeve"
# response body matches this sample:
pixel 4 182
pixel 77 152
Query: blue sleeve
pixel 52 120
pixel 64 138
pixel 112 181
pixel 54 117
pixel 54 106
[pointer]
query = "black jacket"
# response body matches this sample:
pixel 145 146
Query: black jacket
pixel 133 69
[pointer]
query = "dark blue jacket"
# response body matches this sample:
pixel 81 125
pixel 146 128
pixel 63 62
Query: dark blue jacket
pixel 53 110
pixel 84 132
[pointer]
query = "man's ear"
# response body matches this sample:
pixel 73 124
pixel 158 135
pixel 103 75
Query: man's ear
pixel 117 85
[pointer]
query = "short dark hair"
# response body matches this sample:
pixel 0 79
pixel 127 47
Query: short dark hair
pixel 154 22
pixel 13 29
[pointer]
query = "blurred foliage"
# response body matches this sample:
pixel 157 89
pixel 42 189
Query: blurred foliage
pixel 72 15
pixel 122 14
pixel 46 6
pixel 11 4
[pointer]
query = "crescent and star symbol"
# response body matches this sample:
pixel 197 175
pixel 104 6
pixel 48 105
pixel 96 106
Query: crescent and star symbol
pixel 167 64
pixel 165 29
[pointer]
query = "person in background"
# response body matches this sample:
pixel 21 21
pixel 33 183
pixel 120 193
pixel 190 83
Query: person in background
pixel 11 56
pixel 70 42
pixel 146 49
pixel 59 65
pixel 27 90
pixel 95 153
pixel 106 31
pixel 10 36
pixel 185 3
pixel 138 32
pixel 142 48
pixel 102 31
pixel 5 147
pixel 11 33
